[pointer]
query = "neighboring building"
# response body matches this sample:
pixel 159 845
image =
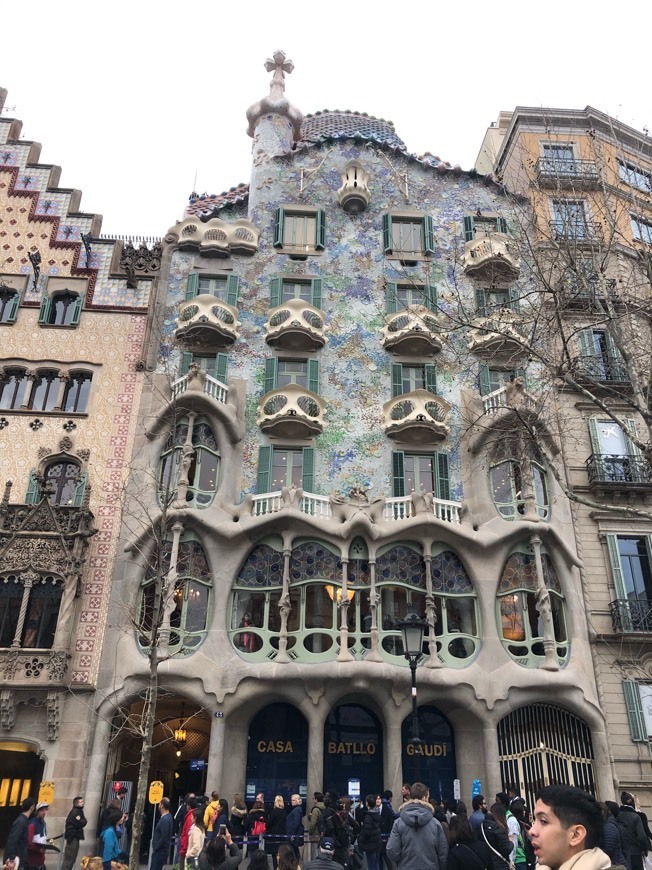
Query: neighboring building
pixel 72 328
pixel 323 344
pixel 589 179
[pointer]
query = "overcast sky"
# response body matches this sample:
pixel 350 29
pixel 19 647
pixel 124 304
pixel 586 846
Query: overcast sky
pixel 137 100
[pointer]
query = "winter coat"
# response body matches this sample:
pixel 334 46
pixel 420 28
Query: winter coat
pixel 275 834
pixel 254 816
pixel 636 840
pixel 35 852
pixel 417 839
pixel 370 838
pixel 611 841
pixel 313 818
pixel 294 825
pixel 185 831
pixel 16 845
pixel 196 839
pixel 589 859
pixel 110 845
pixel 163 833
pixel 496 837
pixel 209 815
pixel 322 863
pixel 238 819
pixel 75 824
pixel 330 824
pixel 460 859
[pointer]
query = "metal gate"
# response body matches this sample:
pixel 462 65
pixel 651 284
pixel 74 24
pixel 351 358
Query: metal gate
pixel 543 745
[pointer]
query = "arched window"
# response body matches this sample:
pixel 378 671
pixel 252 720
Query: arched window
pixel 77 392
pixel 62 308
pixel 191 598
pixel 517 472
pixel 203 463
pixel 9 302
pixel 45 390
pixel 31 626
pixel 519 621
pixel 61 479
pixel 315 593
pixel 13 389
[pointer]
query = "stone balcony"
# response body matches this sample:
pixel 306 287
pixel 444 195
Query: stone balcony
pixel 412 331
pixel 296 325
pixel 501 336
pixel 291 412
pixel 33 667
pixel 207 321
pixel 492 258
pixel 416 418
pixel 215 238
pixel 206 383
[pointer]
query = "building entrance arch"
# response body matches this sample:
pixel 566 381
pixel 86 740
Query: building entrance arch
pixel 21 772
pixel 353 749
pixel 542 745
pixel 432 762
pixel 277 754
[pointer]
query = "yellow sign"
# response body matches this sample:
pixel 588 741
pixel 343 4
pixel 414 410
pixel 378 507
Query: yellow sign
pixel 46 792
pixel 155 791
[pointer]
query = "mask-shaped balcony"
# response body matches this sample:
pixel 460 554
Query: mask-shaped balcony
pixel 415 418
pixel 291 412
pixel 296 325
pixel 492 259
pixel 208 321
pixel 412 331
pixel 499 336
pixel 215 238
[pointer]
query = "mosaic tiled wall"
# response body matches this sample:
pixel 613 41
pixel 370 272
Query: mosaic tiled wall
pixel 355 370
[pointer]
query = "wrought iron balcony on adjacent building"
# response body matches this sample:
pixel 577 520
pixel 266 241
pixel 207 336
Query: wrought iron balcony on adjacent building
pixel 492 258
pixel 296 325
pixel 631 616
pixel 576 232
pixel 207 321
pixel 589 294
pixel 559 173
pixel 412 331
pixel 610 470
pixel 291 412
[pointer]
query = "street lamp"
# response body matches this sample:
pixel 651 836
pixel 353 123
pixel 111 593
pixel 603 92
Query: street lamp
pixel 412 628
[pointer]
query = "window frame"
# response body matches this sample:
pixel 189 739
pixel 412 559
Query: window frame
pixel 47 617
pixel 440 471
pixel 637 223
pixel 429 372
pixel 426 229
pixel 427 296
pixel 277 288
pixel 11 305
pixel 470 229
pixel 629 174
pixel 231 290
pixel 271 373
pixel 169 464
pixel 48 306
pixel 299 251
pixel 266 466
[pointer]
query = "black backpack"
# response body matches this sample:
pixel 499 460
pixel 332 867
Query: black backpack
pixel 330 825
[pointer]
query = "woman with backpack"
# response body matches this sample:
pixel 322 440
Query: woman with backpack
pixel 256 824
pixel 370 839
pixel 496 835
pixel 466 852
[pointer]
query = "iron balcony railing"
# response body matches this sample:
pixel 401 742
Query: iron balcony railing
pixel 602 368
pixel 629 616
pixel 608 468
pixel 564 170
pixel 575 230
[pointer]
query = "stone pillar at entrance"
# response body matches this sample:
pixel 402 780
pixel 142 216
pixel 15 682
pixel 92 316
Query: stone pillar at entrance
pixel 315 771
pixel 393 758
pixel 491 764
pixel 215 754
pixel 96 767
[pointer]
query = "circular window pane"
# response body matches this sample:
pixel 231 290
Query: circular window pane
pixel 393 644
pixel 275 642
pixel 518 651
pixel 461 647
pixel 248 642
pixel 318 643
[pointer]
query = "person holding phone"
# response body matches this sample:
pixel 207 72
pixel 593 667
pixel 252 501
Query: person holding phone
pixel 221 853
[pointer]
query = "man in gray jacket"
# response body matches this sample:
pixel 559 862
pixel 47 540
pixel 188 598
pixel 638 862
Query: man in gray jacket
pixel 417 840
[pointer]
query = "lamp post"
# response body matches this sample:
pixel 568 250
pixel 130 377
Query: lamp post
pixel 412 628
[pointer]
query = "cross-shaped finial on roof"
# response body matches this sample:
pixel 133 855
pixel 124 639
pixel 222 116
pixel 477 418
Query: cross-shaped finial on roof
pixel 279 65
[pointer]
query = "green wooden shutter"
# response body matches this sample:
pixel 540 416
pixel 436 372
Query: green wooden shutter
pixel 184 363
pixel 313 375
pixel 316 292
pixel 80 490
pixel 77 310
pixel 221 367
pixel 469 229
pixel 46 307
pixel 615 360
pixel 275 292
pixel 431 377
pixel 485 381
pixel 480 302
pixel 616 568
pixel 514 299
pixel 308 469
pixel 397 380
pixel 192 286
pixel 320 240
pixel 430 297
pixel 33 489
pixel 271 373
pixel 387 233
pixel 442 476
pixel 398 473
pixel 633 449
pixel 587 352
pixel 232 289
pixel 391 297
pixel 13 310
pixel 634 707
pixel 596 446
pixel 264 470
pixel 279 226
pixel 428 235
pixel 501 225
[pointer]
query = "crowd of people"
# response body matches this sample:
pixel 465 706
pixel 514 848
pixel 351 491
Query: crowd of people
pixel 568 829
